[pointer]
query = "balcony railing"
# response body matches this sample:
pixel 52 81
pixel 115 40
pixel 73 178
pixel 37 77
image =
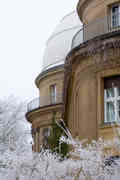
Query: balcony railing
pixel 44 101
pixel 96 28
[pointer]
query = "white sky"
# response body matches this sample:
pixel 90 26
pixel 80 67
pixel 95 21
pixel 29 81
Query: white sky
pixel 25 26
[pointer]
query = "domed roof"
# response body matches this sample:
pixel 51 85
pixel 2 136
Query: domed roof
pixel 59 44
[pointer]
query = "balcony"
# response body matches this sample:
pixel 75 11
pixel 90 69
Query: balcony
pixel 96 28
pixel 43 102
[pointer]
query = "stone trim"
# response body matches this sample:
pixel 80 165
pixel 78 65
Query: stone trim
pixel 82 4
pixel 100 50
pixel 100 80
pixel 43 110
pixel 48 72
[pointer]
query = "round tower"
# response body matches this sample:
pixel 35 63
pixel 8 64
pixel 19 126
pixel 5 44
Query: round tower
pixel 98 18
pixel 91 10
pixel 49 104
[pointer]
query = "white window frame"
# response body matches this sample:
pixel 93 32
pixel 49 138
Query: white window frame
pixel 118 14
pixel 53 93
pixel 115 100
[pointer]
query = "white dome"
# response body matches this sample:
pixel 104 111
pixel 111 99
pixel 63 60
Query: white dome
pixel 59 44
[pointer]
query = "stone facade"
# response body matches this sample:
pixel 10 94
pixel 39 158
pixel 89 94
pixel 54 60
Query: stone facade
pixel 48 78
pixel 83 74
pixel 41 117
pixel 99 9
pixel 86 67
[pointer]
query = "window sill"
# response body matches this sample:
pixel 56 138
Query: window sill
pixel 109 125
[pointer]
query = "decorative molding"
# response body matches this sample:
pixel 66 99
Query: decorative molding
pixel 100 91
pixel 96 55
pixel 49 72
pixel 82 4
pixel 31 116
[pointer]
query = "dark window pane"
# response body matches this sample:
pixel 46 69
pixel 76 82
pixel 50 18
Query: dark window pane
pixel 113 81
pixel 118 91
pixel 110 92
pixel 118 110
pixel 115 16
pixel 115 9
pixel 115 20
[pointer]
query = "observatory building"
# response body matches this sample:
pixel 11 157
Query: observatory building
pixel 49 104
pixel 81 74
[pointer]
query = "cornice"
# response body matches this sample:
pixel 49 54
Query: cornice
pixel 30 116
pixel 48 72
pixel 82 4
pixel 99 45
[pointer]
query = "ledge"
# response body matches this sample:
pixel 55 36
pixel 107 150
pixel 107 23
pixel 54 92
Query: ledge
pixel 99 44
pixel 109 125
pixel 82 4
pixel 47 72
pixel 43 110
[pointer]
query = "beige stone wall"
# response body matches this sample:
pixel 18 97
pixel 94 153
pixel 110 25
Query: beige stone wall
pixel 51 78
pixel 42 117
pixel 45 83
pixel 94 9
pixel 84 111
pixel 82 116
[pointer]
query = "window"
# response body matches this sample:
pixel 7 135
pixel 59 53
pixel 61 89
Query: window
pixel 46 134
pixel 112 99
pixel 53 94
pixel 115 15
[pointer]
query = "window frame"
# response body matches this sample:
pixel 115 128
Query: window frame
pixel 53 94
pixel 113 15
pixel 100 96
pixel 114 100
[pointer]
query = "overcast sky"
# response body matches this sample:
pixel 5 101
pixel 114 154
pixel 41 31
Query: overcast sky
pixel 25 26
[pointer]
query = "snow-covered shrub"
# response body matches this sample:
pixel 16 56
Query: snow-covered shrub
pixel 14 128
pixel 85 163
pixel 17 161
